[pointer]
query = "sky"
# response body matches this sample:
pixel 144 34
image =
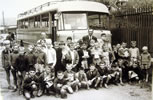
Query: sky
pixel 12 8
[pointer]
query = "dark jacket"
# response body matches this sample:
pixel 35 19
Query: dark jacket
pixel 93 74
pixel 14 56
pixel 6 60
pixel 27 85
pixel 87 40
pixel 22 63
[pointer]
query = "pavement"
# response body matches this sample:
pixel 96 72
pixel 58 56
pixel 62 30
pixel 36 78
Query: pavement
pixel 126 92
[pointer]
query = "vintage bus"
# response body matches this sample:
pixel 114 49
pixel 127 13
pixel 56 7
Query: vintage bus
pixel 62 19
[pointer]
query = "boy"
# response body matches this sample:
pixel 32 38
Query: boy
pixel 14 56
pixel 60 85
pixel 115 74
pixel 46 81
pixel 40 57
pixel 96 54
pixel 145 62
pixel 70 76
pixel 84 57
pixel 30 56
pixel 50 55
pixel 30 84
pixel 104 73
pixel 93 76
pixel 58 65
pixel 82 77
pixel 21 68
pixel 73 54
pixel 6 61
pixel 134 51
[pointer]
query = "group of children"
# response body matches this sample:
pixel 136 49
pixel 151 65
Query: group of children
pixel 65 68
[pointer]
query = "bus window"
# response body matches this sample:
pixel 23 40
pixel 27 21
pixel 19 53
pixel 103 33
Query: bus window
pixel 98 21
pixel 45 20
pixel 37 22
pixel 31 22
pixel 75 21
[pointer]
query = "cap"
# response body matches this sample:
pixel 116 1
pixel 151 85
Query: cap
pixel 43 33
pixel 21 50
pixel 144 48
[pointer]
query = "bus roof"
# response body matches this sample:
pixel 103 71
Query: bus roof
pixel 67 6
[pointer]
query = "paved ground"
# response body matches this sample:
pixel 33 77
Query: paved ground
pixel 127 92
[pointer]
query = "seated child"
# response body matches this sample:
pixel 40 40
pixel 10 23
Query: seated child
pixel 60 85
pixel 93 76
pixel 46 81
pixel 71 78
pixel 115 74
pixel 134 74
pixel 82 77
pixel 30 84
pixel 104 73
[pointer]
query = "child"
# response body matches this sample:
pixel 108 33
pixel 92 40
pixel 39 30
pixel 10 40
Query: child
pixel 71 78
pixel 40 58
pixel 84 57
pixel 31 57
pixel 96 54
pixel 93 76
pixel 60 85
pixel 30 84
pixel 145 62
pixel 6 61
pixel 73 54
pixel 115 74
pixel 14 56
pixel 134 51
pixel 82 77
pixel 21 68
pixel 134 72
pixel 104 73
pixel 46 81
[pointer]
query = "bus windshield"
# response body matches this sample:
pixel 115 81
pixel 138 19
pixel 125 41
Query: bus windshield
pixel 75 21
pixel 98 21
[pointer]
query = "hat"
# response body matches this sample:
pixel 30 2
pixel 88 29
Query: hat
pixel 6 42
pixel 21 50
pixel 43 33
pixel 144 48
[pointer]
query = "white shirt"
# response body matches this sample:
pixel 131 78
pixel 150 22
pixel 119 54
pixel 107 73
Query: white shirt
pixel 51 56
pixel 72 56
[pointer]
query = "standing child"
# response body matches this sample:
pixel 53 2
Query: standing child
pixel 6 61
pixel 14 56
pixel 145 62
pixel 84 57
pixel 21 68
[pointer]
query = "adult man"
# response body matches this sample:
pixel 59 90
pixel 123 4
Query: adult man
pixel 89 37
